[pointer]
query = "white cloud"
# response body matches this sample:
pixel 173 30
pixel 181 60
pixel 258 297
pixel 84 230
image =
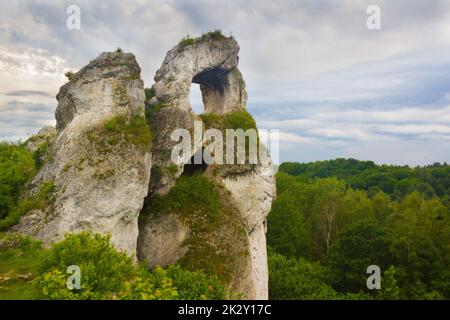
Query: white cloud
pixel 312 68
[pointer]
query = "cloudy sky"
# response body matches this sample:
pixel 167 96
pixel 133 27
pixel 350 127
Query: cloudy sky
pixel 313 69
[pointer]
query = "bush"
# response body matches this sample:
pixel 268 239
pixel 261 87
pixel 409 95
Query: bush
pixel 103 269
pixel 197 285
pixel 109 274
pixel 214 35
pixel 187 41
pixel 70 75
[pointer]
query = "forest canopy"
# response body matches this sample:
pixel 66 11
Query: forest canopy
pixel 344 215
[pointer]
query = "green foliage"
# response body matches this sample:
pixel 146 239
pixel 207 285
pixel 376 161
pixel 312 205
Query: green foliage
pixel 109 274
pixel 172 169
pixel 187 41
pixel 41 200
pixel 297 279
pixel 197 285
pixel 233 120
pixel 17 167
pixel 420 244
pixel 205 207
pixel 360 245
pixel 397 181
pixel 389 289
pixel 306 218
pixel 103 268
pixel 40 154
pixel 20 258
pixel 288 233
pixel 133 130
pixel 70 75
pixel 335 213
pixel 214 35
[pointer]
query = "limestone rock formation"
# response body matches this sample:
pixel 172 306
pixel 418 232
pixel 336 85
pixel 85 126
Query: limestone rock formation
pixel 100 160
pixel 103 169
pixel 211 61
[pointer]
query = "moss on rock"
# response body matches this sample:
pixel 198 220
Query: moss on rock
pixel 217 242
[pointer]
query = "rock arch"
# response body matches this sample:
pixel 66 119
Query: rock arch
pixel 210 62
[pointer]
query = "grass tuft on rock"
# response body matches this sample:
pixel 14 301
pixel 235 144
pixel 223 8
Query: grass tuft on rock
pixel 233 120
pixel 133 130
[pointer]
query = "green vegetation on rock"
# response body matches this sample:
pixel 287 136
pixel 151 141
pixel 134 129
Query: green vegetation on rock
pixel 232 120
pixel 205 207
pixel 186 41
pixel 17 167
pixel 122 129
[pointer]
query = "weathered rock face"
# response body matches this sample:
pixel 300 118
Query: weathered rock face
pixel 211 62
pixel 101 166
pixel 44 137
pixel 253 193
pixel 100 171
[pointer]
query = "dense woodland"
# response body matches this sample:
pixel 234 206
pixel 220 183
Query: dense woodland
pixel 332 219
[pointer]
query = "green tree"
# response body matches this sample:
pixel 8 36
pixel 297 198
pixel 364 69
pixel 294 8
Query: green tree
pixel 17 167
pixel 360 245
pixel 287 233
pixel 297 279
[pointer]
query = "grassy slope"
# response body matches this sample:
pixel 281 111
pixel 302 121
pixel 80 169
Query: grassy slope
pixel 19 258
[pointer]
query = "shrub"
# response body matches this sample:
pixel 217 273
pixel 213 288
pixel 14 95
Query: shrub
pixel 215 35
pixel 186 41
pixel 109 274
pixel 70 75
pixel 233 120
pixel 103 269
pixel 197 285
